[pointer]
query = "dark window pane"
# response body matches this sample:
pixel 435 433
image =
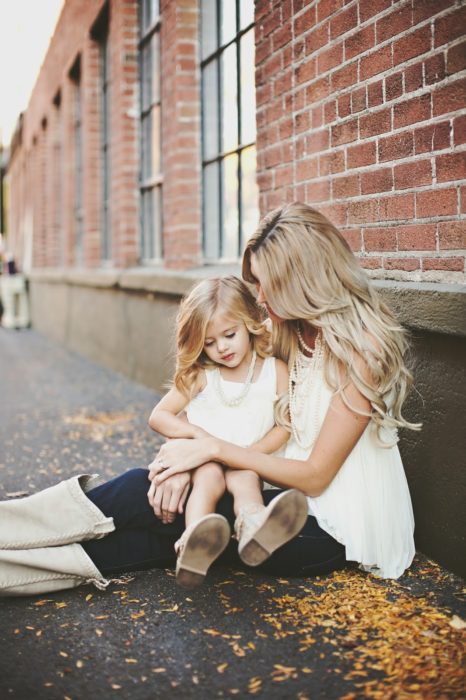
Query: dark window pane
pixel 208 27
pixel 210 107
pixel 146 150
pixel 155 68
pixel 146 79
pixel 156 160
pixel 212 211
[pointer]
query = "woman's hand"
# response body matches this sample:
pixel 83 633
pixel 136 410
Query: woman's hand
pixel 168 499
pixel 177 456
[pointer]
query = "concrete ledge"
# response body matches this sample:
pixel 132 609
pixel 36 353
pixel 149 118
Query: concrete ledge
pixel 439 308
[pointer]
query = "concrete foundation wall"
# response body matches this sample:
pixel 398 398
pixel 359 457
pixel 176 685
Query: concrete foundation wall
pixel 126 322
pixel 131 332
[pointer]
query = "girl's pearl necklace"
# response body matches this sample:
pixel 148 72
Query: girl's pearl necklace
pixel 301 375
pixel 235 400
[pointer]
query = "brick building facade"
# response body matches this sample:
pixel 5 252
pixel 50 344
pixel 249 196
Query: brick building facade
pixel 360 112
pixel 157 132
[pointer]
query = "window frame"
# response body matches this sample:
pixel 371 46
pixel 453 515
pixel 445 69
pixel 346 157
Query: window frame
pixel 215 58
pixel 150 186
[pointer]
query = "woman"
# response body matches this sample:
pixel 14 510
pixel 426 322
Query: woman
pixel 348 383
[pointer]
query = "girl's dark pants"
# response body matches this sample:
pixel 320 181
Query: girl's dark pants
pixel 141 541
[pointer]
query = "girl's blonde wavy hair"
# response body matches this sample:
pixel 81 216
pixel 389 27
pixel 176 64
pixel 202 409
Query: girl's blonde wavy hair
pixel 229 295
pixel 309 273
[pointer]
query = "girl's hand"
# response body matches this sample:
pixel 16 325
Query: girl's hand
pixel 169 498
pixel 180 456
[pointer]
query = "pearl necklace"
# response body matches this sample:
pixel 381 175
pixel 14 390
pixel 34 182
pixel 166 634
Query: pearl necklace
pixel 304 346
pixel 235 400
pixel 302 373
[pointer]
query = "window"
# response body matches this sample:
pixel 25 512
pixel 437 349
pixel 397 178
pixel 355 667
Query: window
pixel 151 166
pixel 105 148
pixel 230 194
pixel 75 75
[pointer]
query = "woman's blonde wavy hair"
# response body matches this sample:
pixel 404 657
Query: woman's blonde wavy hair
pixel 232 297
pixel 308 273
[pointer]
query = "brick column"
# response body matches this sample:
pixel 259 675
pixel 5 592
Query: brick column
pixel 181 167
pixel 91 98
pixel 68 170
pixel 124 158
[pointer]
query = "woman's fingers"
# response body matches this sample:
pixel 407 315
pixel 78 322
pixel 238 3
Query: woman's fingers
pixel 157 503
pixel 167 494
pixel 168 499
pixel 183 498
pixel 151 493
pixel 163 476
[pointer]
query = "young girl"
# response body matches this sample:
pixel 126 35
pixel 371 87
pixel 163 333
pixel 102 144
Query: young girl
pixel 227 384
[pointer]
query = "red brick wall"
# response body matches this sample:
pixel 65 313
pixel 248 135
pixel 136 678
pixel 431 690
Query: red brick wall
pixel 181 123
pixel 361 114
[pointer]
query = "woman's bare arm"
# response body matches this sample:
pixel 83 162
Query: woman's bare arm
pixel 340 431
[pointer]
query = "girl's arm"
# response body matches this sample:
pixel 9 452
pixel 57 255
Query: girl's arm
pixel 277 436
pixel 340 431
pixel 165 417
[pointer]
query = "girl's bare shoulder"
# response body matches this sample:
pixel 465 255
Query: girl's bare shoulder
pixel 200 382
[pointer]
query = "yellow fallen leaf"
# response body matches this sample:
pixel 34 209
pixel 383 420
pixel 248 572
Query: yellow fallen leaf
pixel 60 605
pixel 131 661
pixel 238 650
pixel 160 669
pixel 457 623
pixel 138 615
pixel 89 597
pixel 43 602
pixel 221 667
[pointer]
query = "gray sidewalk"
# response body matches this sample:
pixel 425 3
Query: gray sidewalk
pixel 242 634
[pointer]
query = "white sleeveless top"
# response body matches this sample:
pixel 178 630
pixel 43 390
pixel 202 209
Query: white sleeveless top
pixel 245 423
pixel 367 506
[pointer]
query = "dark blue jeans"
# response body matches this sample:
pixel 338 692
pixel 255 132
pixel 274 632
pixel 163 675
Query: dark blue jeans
pixel 141 541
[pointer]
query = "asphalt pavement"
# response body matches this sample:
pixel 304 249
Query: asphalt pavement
pixel 241 634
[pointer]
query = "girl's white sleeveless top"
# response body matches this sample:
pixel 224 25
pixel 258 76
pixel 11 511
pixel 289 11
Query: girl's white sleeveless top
pixel 367 506
pixel 245 423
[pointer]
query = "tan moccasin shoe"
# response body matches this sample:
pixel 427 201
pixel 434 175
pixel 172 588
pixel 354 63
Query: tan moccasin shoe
pixel 199 545
pixel 261 530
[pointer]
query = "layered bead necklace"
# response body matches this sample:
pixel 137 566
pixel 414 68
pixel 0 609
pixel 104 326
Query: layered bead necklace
pixel 302 373
pixel 235 400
